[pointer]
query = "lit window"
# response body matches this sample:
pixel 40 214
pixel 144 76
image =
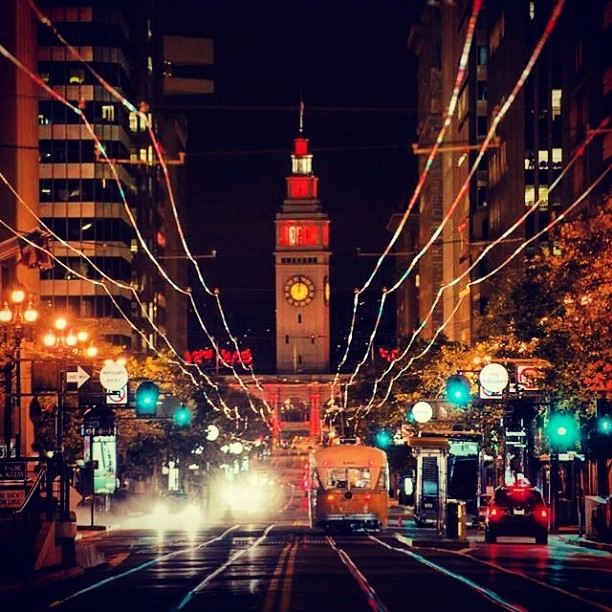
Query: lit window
pixel 108 112
pixel 556 103
pixel 133 122
pixel 529 195
pixel 42 120
pixel 542 159
pixel 532 10
pixel 543 197
pixel 76 76
pixel 143 155
pixel 150 64
pixel 557 157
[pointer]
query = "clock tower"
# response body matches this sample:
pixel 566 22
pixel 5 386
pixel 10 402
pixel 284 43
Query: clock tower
pixel 302 271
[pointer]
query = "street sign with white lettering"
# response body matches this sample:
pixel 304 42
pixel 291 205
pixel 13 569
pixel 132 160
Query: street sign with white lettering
pixel 114 376
pixel 13 470
pixel 78 377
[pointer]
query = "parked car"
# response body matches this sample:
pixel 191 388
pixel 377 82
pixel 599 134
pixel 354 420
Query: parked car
pixel 517 510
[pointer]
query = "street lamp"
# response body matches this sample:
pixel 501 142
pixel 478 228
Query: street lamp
pixel 66 342
pixel 19 316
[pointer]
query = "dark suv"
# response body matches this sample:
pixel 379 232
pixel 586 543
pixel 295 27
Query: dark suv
pixel 518 510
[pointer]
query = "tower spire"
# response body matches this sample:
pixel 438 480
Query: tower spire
pixel 301 114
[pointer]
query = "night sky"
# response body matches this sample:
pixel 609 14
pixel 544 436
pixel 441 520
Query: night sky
pixel 350 63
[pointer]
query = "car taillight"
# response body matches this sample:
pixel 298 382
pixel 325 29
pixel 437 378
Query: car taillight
pixel 494 512
pixel 542 514
pixel 367 497
pixel 330 497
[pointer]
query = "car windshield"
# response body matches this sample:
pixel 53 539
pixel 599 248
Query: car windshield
pixel 527 498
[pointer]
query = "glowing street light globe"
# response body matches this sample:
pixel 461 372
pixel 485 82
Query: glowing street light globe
pixel 212 433
pixel 422 412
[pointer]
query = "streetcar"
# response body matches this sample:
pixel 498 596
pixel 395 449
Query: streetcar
pixel 348 488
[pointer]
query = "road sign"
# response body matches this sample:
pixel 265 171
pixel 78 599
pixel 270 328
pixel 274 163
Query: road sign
pixel 11 498
pixel 117 398
pixel 79 378
pixel 13 470
pixel 529 377
pixel 494 377
pixel 114 376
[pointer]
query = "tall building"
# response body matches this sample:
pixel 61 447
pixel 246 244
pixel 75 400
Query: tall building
pixel 301 388
pixel 84 199
pixel 526 154
pixel 302 271
pixel 18 210
pixel 56 164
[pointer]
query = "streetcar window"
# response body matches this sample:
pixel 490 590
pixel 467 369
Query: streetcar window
pixel 353 478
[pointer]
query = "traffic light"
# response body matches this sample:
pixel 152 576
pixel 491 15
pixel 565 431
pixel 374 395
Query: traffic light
pixel 562 430
pixel 604 425
pixel 182 416
pixel 458 390
pixel 383 438
pixel 145 399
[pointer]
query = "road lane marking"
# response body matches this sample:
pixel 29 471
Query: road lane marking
pixel 491 595
pixel 288 580
pixel 142 566
pixel 273 588
pixel 221 569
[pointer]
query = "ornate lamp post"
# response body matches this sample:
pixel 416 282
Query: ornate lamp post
pixel 16 316
pixel 65 342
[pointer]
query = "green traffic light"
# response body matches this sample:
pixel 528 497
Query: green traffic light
pixel 383 439
pixel 562 430
pixel 182 416
pixel 145 399
pixel 458 390
pixel 604 425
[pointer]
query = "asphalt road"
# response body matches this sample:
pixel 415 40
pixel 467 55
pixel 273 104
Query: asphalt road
pixel 287 566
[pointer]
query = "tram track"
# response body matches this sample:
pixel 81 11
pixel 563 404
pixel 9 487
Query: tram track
pixel 279 567
pixel 246 545
pixel 515 592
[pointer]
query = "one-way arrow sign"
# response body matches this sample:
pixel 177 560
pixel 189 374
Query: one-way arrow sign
pixel 80 377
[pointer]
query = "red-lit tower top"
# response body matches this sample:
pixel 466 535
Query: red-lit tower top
pixel 301 222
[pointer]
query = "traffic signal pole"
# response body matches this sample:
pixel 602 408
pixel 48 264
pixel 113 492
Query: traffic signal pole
pixel 554 491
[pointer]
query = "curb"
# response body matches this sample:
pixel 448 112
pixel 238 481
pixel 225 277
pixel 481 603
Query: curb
pixel 41 579
pixel 578 541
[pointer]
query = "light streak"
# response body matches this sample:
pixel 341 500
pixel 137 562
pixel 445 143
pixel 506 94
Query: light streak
pixel 156 145
pixel 517 251
pixel 483 147
pixel 58 96
pixel 461 72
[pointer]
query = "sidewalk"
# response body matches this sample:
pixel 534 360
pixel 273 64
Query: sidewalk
pixel 87 555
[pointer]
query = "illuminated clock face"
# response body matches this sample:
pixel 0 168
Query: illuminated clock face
pixel 299 290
